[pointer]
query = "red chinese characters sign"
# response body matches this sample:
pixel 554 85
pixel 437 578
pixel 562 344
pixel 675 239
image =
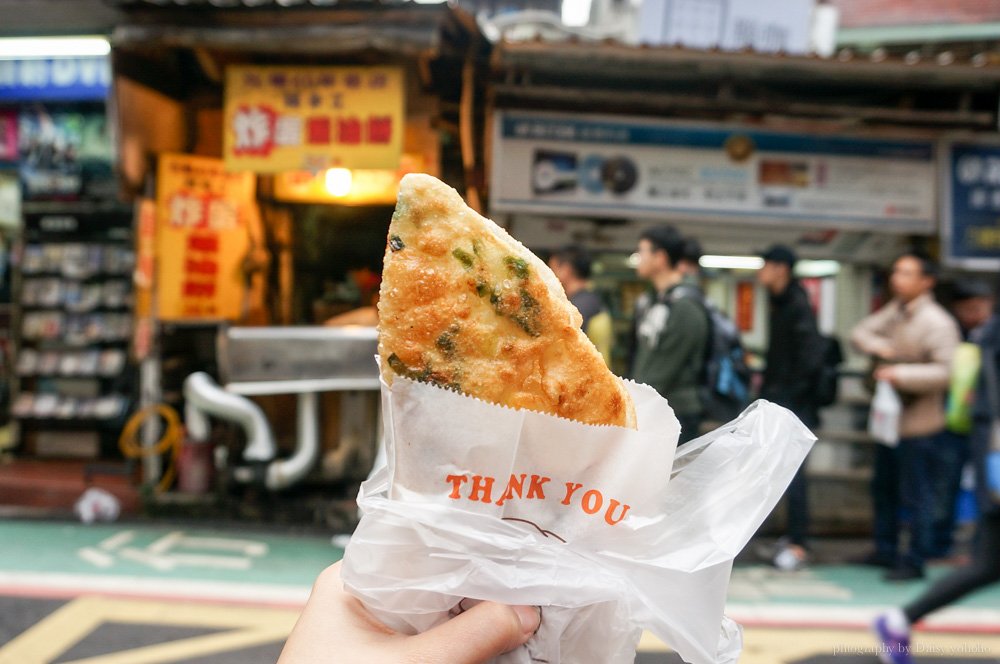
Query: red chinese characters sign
pixel 281 119
pixel 203 215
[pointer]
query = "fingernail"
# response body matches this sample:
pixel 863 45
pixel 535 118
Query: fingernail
pixel 530 618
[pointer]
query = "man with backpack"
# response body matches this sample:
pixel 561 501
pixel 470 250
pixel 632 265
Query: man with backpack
pixel 795 353
pixel 669 331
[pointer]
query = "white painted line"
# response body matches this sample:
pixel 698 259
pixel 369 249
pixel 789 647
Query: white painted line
pixel 70 585
pixel 118 540
pixel 952 618
pixel 217 562
pixel 96 557
pixel 166 542
pixel 246 547
pixel 161 563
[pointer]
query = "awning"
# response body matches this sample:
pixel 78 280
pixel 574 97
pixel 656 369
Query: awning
pixel 307 28
pixel 618 78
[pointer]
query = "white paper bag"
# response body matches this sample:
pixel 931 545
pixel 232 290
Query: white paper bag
pixel 481 502
pixel 883 419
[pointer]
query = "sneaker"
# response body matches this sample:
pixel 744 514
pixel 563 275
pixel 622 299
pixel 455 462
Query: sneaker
pixel 893 634
pixel 904 573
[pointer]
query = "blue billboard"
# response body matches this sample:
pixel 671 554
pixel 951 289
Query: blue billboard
pixel 971 216
pixel 55 79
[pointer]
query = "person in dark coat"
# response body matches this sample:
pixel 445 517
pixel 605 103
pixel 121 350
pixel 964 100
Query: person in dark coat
pixel 669 330
pixel 794 359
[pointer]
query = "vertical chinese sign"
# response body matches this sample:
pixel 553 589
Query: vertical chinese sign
pixel 312 118
pixel 202 238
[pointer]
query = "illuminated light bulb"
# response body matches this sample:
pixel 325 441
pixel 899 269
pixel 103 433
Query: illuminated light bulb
pixel 338 182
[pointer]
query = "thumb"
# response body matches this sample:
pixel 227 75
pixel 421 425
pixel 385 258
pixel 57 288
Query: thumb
pixel 486 630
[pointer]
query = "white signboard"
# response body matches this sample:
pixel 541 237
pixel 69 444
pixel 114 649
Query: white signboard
pixel 602 166
pixel 762 25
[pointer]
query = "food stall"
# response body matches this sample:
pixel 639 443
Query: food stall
pixel 264 145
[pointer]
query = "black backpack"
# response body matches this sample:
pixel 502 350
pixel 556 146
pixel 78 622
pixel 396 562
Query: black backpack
pixel 827 380
pixel 725 376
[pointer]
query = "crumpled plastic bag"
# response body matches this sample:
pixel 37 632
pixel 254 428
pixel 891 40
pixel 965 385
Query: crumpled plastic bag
pixel 481 502
pixel 97 505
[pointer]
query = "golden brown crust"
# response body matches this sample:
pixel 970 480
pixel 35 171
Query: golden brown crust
pixel 466 306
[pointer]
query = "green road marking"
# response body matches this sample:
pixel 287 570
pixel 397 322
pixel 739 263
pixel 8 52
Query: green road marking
pixel 840 585
pixel 161 552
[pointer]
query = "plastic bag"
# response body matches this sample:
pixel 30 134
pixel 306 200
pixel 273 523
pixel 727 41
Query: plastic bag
pixel 481 502
pixel 883 419
pixel 97 505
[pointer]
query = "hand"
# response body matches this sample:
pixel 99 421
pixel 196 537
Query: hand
pixel 336 627
pixel 886 373
pixel 993 472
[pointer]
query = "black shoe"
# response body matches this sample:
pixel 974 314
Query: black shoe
pixel 904 573
pixel 874 559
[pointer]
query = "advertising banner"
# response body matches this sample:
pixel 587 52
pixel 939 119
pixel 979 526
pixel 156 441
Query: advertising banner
pixel 202 217
pixel 637 168
pixel 65 155
pixel 313 118
pixel 970 215
pixel 56 79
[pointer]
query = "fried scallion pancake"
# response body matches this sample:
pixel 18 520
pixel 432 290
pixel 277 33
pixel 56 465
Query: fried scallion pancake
pixel 465 306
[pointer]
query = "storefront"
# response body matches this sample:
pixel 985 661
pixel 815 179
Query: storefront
pixel 264 146
pixel 67 247
pixel 840 159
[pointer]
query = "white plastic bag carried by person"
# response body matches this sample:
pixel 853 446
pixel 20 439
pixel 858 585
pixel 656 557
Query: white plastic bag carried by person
pixel 883 419
pixel 481 502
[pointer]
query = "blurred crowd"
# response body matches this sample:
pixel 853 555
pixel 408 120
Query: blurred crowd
pixel 935 406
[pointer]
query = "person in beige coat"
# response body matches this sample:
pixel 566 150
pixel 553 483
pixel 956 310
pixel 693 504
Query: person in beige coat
pixel 912 340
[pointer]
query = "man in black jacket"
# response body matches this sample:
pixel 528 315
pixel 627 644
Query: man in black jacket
pixel 794 358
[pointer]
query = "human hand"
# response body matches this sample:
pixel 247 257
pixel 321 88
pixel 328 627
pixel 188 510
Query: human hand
pixel 336 627
pixel 886 373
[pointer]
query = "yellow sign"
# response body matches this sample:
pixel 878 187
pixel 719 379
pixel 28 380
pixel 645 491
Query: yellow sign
pixel 313 118
pixel 202 220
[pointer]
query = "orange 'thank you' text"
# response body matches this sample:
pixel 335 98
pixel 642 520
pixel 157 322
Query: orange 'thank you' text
pixel 483 488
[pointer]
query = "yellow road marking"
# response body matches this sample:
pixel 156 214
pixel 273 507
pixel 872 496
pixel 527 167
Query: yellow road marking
pixel 183 649
pixel 71 623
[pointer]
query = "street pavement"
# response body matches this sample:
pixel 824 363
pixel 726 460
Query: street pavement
pixel 136 593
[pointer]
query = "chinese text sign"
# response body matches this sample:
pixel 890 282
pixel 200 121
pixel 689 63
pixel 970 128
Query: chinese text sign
pixel 312 118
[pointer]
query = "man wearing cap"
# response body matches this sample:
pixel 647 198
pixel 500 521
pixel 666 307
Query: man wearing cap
pixel 794 358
